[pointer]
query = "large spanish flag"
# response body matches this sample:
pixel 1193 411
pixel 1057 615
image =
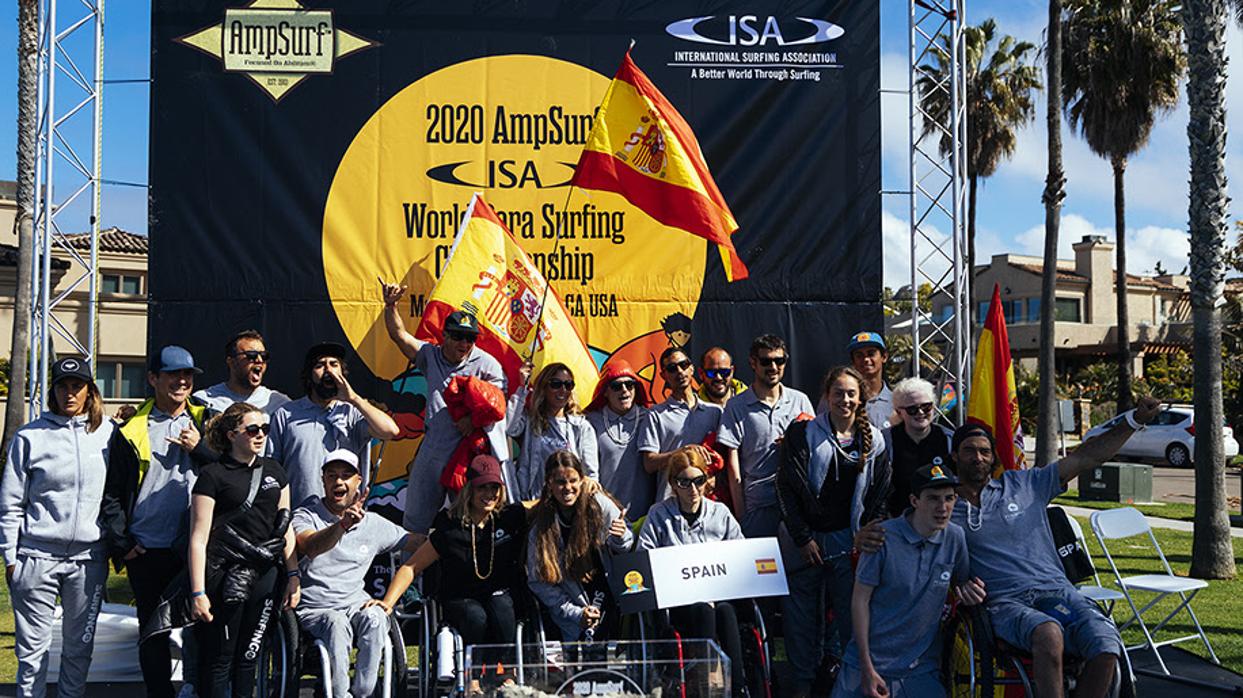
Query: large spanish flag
pixel 642 148
pixel 994 401
pixel 491 276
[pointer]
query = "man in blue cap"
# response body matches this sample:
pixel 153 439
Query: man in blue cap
pixel 153 462
pixel 868 355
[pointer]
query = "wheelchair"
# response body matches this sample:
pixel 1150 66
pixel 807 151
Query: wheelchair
pixel 290 653
pixel 975 662
pixel 755 641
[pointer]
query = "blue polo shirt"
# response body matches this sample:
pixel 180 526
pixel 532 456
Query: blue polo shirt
pixel 912 577
pixel 753 427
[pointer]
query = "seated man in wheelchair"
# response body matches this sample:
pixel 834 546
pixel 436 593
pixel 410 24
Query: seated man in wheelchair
pixel 899 593
pixel 1031 605
pixel 338 540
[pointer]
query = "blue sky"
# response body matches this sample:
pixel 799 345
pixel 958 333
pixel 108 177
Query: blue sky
pixel 1010 217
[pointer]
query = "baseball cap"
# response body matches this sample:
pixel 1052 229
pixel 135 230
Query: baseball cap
pixel 484 470
pixel 319 351
pixel 866 339
pixel 461 321
pixel 71 367
pixel 967 431
pixel 174 358
pixel 341 455
pixel 931 476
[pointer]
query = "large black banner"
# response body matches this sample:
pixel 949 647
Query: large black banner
pixel 298 151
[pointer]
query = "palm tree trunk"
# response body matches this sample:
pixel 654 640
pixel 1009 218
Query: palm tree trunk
pixel 1204 25
pixel 27 97
pixel 1125 397
pixel 1054 193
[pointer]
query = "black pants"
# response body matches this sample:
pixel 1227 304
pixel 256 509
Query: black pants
pixel 713 622
pixel 149 574
pixel 489 620
pixel 230 645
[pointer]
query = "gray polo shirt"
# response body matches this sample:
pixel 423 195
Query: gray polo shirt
pixel 912 576
pixel 334 579
pixel 621 464
pixel 1011 545
pixel 440 436
pixel 673 424
pixel 753 428
pixel 164 495
pixel 303 433
pixel 219 398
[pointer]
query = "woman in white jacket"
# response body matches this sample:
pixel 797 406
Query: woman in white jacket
pixel 546 419
pixel 50 495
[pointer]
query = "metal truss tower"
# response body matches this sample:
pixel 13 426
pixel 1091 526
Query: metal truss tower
pixel 67 182
pixel 938 192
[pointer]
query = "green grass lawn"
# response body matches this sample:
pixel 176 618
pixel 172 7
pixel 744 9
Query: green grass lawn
pixel 1175 510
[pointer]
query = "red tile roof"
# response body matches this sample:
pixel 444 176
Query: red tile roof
pixel 112 240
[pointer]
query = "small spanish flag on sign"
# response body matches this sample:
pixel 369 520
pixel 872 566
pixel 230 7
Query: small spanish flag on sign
pixel 642 148
pixel 766 565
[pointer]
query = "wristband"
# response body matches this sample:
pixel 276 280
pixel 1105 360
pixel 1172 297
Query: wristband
pixel 293 573
pixel 1130 419
pixel 196 594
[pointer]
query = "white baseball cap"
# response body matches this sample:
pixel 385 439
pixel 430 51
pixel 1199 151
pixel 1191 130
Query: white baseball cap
pixel 342 455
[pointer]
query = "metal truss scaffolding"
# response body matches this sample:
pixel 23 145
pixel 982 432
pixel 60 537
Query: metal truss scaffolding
pixel 67 179
pixel 941 345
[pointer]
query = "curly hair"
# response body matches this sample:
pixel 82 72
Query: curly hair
pixel 576 563
pixel 862 426
pixel 218 427
pixel 538 418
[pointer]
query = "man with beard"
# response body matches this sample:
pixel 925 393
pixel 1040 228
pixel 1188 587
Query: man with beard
pixel 1031 604
pixel 246 357
pixel 615 412
pixel 681 420
pixel 716 375
pixel 456 355
pixel 331 416
pixel 751 430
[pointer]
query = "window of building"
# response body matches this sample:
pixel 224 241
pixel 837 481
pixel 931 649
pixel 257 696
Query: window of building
pixel 1067 310
pixel 1013 310
pixel 1033 310
pixel 983 313
pixel 121 380
pixel 125 284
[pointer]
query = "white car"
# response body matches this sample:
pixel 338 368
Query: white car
pixel 1170 437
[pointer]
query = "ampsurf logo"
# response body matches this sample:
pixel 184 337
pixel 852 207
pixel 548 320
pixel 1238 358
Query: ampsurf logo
pixel 754 30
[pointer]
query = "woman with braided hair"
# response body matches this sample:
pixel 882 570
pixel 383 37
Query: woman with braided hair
pixel 832 479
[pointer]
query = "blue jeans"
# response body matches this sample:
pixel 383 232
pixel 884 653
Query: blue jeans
pixel 804 608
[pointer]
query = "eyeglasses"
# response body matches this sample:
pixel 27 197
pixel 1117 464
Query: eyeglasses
pixel 925 408
pixel 252 355
pixel 561 385
pixel 622 386
pixel 460 336
pixel 685 483
pixel 718 374
pixel 677 365
pixel 772 360
pixel 254 429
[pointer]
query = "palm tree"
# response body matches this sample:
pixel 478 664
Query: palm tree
pixel 1123 62
pixel 999 99
pixel 1205 27
pixel 1054 193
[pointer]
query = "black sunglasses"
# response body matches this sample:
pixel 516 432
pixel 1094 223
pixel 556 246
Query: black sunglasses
pixel 561 385
pixel 716 374
pixel 677 365
pixel 685 483
pixel 252 355
pixel 772 360
pixel 917 409
pixel 254 429
pixel 460 336
pixel 619 386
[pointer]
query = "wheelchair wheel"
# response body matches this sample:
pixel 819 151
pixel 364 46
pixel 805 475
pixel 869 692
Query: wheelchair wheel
pixel 758 668
pixel 967 662
pixel 279 671
pixel 398 677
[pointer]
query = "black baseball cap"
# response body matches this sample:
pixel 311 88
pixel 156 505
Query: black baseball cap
pixel 321 350
pixel 462 321
pixel 932 476
pixel 968 431
pixel 71 367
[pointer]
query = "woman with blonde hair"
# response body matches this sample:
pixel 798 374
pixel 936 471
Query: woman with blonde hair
pixel 832 479
pixel 576 527
pixel 547 419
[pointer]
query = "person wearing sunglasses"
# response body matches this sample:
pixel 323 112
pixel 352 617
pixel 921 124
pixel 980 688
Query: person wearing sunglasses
pixel 231 600
pixel 545 419
pixel 246 358
pixel 916 441
pixel 717 382
pixel 681 420
pixel 751 431
pixel 615 412
pixel 686 518
pixel 457 354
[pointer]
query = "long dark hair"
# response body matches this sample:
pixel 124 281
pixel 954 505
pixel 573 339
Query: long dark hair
pixel 583 535
pixel 862 427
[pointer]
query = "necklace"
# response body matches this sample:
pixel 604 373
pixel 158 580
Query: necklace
pixel 474 556
pixel 622 437
pixel 979 517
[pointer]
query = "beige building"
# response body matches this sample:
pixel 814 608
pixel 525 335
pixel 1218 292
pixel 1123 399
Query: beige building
pixel 122 311
pixel 1086 314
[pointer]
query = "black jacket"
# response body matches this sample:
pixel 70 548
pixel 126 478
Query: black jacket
pixel 801 509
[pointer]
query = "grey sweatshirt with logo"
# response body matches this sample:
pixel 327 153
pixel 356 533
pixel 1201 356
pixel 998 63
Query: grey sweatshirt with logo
pixel 665 526
pixel 51 489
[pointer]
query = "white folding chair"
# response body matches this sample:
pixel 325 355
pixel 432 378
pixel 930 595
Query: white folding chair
pixel 1102 595
pixel 1127 522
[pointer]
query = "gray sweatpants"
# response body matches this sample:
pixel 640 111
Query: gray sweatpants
pixel 36 583
pixel 342 629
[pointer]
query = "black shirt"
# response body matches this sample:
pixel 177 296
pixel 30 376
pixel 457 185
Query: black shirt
pixel 461 569
pixel 228 482
pixel 907 456
pixel 838 491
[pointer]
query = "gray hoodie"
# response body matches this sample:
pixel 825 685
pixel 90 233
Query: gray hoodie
pixel 51 489
pixel 665 526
